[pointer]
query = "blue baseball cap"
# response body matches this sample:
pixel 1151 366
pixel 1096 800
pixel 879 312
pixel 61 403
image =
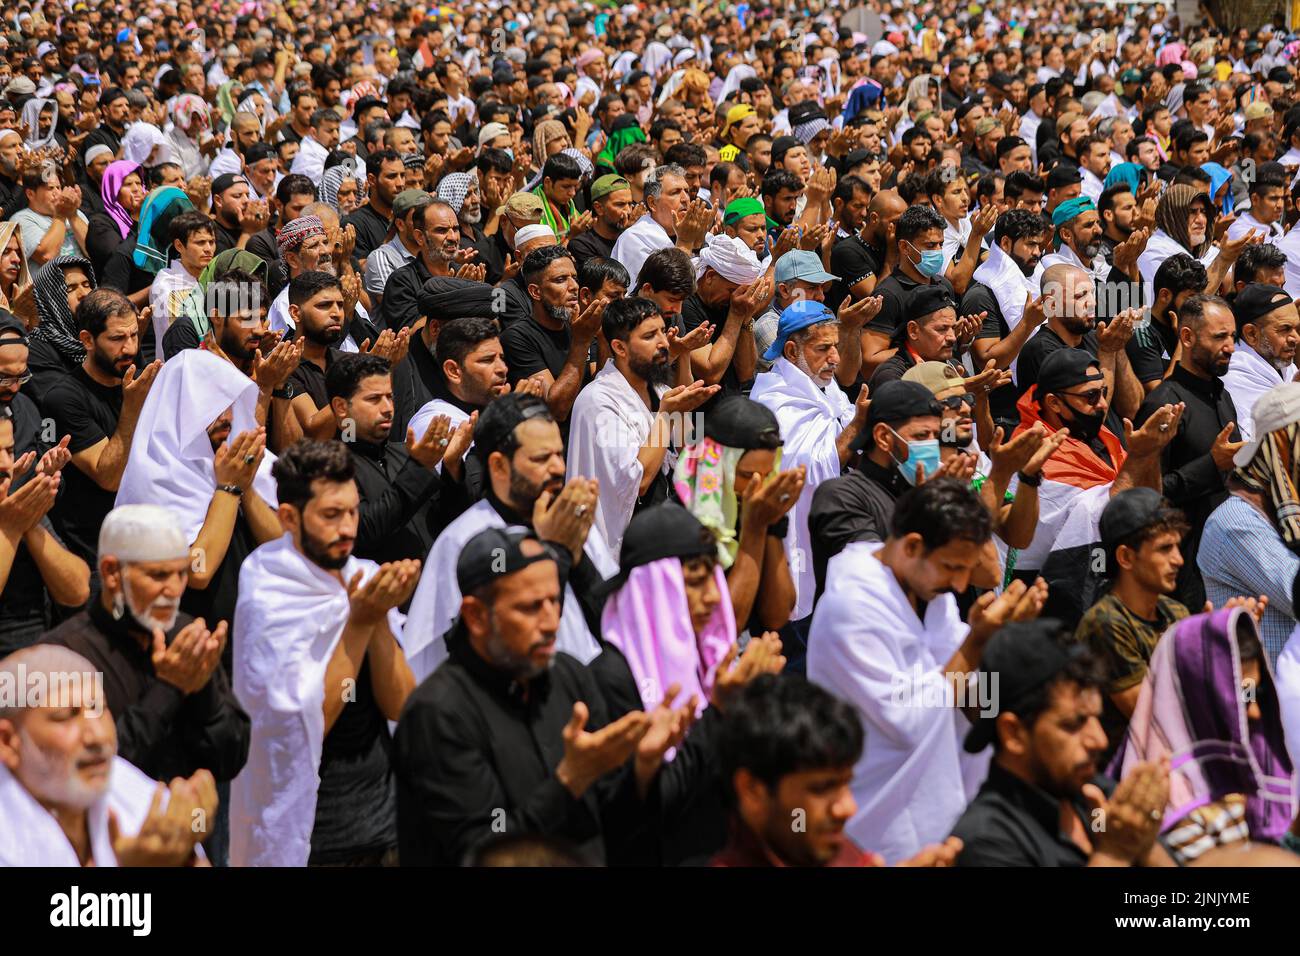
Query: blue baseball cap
pixel 800 264
pixel 796 316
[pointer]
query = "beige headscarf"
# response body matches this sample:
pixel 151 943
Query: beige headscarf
pixel 9 230
pixel 543 133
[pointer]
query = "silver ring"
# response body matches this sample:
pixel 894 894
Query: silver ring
pixel 580 510
pixel 785 497
pixel 1165 427
pixel 442 443
pixel 1156 814
pixel 249 459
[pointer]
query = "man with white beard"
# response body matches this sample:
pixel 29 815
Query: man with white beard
pixel 163 683
pixel 67 798
pixel 1268 331
pixel 818 424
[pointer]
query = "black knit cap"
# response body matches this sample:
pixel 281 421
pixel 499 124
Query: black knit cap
pixel 665 531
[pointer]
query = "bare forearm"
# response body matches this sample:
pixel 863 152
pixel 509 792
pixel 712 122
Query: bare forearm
pixel 213 541
pixel 846 438
pixel 850 349
pixel 651 454
pixel 876 351
pixel 261 517
pixel 1128 390
pixel 564 390
pixel 1002 351
pixel 66 576
pixel 960 272
pixel 50 243
pixel 710 361
pixel 1021 519
pixel 776 587
pixel 390 675
pixel 344 665
pixel 745 573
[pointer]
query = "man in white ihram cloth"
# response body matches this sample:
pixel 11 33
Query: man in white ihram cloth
pixel 318 652
pixel 66 798
pixel 523 459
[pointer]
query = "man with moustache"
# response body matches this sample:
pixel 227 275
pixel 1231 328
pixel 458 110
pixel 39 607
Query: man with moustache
pixel 305 247
pixel 473 371
pixel 398 481
pixel 435 229
pixel 1198 456
pixel 625 421
pixel 316 308
pixel 1269 330
pixel 611 203
pixel 163 681
pixel 98 405
pixel 68 798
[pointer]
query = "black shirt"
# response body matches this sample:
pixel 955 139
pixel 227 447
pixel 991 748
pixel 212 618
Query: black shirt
pixel 530 349
pixel 102 239
pixel 695 312
pixel 87 411
pixel 398 502
pixel 893 368
pixel 227 239
pixel 160 729
pixel 400 306
pixel 310 378
pixel 852 260
pixel 1192 481
pixel 372 231
pixel 416 382
pixel 896 292
pixel 1150 350
pixel 591 245
pixel 216 602
pixel 856 506
pixel 1043 343
pixel 1002 401
pixel 47 365
pixel 1013 823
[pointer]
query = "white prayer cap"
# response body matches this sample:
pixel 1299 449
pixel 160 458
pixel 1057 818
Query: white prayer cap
pixel 528 233
pixel 884 48
pixel 731 258
pixel 134 533
pixel 99 149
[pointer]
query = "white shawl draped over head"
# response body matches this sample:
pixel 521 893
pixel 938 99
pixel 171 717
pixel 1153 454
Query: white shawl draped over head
pixel 290 616
pixel 141 140
pixel 811 420
pixel 436 603
pixel 171 459
pixel 1249 376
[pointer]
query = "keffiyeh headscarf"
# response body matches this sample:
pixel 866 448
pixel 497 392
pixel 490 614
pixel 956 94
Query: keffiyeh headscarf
pixel 1173 210
pixel 58 327
pixel 295 233
pixel 160 207
pixel 1272 474
pixel 114 175
pixel 332 181
pixel 453 189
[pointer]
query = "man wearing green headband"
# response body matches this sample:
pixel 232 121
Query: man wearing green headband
pixel 744 219
pixel 1076 238
pixel 611 206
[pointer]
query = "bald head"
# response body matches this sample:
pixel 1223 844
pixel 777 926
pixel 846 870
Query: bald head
pixel 1069 297
pixel 887 205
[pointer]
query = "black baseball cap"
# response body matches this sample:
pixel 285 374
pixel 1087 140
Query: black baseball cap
pixel 12 331
pixel 927 299
pixel 665 531
pixel 1257 300
pixel 495 553
pixel 1127 513
pixel 1021 657
pixel 225 181
pixel 1062 175
pixel 1066 368
pixel 896 402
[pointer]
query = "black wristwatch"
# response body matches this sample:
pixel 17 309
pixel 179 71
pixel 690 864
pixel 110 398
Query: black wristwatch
pixel 1032 481
pixel 235 490
pixel 284 391
pixel 779 529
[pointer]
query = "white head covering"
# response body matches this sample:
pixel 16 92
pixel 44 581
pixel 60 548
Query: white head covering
pixel 99 149
pixel 730 258
pixel 32 117
pixel 139 142
pixel 142 533
pixel 171 458
pixel 529 233
pixel 741 71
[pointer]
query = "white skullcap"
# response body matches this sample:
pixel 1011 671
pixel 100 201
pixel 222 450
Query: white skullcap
pixel 528 233
pixel 730 258
pixel 884 48
pixel 491 131
pixel 134 533
pixel 99 149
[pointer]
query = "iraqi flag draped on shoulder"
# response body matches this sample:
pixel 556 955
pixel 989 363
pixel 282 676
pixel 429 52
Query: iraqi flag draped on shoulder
pixel 1076 487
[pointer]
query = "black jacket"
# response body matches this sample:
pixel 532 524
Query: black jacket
pixel 399 499
pixel 161 730
pixel 1191 480
pixel 401 303
pixel 854 507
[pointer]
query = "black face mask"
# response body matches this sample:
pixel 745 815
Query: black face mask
pixel 1085 427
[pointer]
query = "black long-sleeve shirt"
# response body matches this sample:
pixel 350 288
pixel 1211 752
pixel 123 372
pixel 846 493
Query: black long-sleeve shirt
pixel 399 499
pixel 475 755
pixel 400 307
pixel 857 506
pixel 1191 480
pixel 161 730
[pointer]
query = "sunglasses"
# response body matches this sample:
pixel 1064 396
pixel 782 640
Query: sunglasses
pixel 955 402
pixel 1092 396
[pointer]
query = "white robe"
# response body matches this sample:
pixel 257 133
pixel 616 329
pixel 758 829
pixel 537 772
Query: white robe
pixel 637 242
pixel 290 617
pixel 1092 186
pixel 1250 376
pixel 436 603
pixel 1290 245
pixel 1246 222
pixel 811 419
pixel 31 836
pixel 868 648
pixel 170 462
pixel 1160 247
pixel 310 161
pixel 607 427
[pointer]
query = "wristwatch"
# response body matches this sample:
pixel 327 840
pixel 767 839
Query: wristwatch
pixel 1032 481
pixel 284 391
pixel 235 490
pixel 779 529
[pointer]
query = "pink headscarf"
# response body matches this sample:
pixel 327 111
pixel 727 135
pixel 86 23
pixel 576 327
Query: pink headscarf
pixel 1171 53
pixel 649 620
pixel 111 184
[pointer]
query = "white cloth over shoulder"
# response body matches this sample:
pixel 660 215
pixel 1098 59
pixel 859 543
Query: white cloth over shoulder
pixel 1250 376
pixel 290 617
pixel 1009 285
pixel 170 463
pixel 436 603
pixel 1160 247
pixel 811 419
pixel 868 648
pixel 607 428
pixel 637 242
pixel 310 161
pixel 31 836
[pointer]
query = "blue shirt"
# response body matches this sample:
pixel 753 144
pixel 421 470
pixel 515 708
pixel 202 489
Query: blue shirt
pixel 1242 555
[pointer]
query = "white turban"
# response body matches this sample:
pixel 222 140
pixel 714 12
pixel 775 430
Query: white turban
pixel 730 258
pixel 528 233
pixel 134 533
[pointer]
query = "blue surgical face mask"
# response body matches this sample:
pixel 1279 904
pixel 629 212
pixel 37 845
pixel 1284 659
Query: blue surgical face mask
pixel 924 453
pixel 931 262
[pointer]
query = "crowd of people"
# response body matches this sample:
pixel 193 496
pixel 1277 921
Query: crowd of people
pixel 647 434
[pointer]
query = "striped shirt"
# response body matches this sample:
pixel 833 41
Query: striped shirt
pixel 1242 555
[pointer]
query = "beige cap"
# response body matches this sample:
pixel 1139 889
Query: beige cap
pixel 936 376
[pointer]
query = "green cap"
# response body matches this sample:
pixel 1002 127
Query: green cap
pixel 738 209
pixel 409 199
pixel 605 185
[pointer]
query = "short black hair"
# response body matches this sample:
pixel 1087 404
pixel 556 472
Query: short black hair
pixel 668 270
pixel 624 315
pixel 496 160
pixel 375 161
pixel 778 725
pixel 1166 520
pixel 495 430
pixel 307 461
pixel 941 511
pixel 304 286
pixel 1018 224
pixel 539 260
pixel 1106 201
pixel 96 309
pixel 157 173
pixel 344 377
pixel 1021 182
pixel 1267 180
pixel 561 166
pixel 916 220
pixel 295 184
pixel 686 155
pixel 459 337
pixel 848 185
pixel 777 180
pixel 595 271
pixel 1255 257
pixel 185 225
pixel 1180 273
